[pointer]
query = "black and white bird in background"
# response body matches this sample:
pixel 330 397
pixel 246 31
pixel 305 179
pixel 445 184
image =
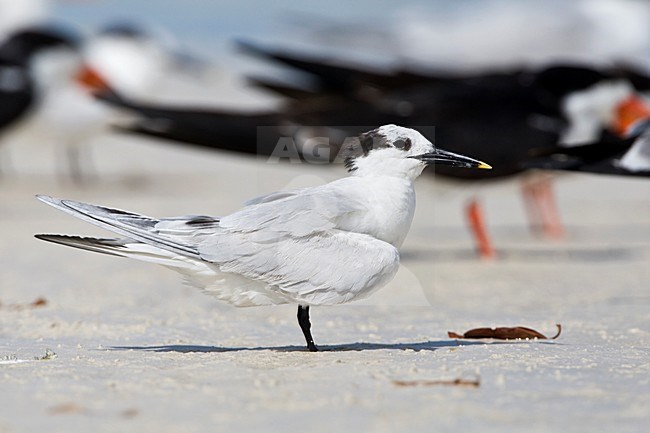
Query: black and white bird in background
pixel 507 117
pixel 50 73
pixel 55 93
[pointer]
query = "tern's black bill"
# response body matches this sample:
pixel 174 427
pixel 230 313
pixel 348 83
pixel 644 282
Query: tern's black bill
pixel 443 157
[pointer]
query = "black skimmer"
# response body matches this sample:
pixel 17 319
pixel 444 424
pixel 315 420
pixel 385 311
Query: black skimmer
pixel 57 99
pixel 500 117
pixel 25 56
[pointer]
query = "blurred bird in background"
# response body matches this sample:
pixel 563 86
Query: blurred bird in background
pixel 530 87
pixel 505 117
pixel 39 70
pixel 51 72
pixel 139 60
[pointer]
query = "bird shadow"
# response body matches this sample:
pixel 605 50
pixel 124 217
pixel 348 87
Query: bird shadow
pixel 564 255
pixel 350 347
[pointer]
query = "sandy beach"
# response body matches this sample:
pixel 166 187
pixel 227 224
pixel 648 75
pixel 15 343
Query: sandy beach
pixel 115 345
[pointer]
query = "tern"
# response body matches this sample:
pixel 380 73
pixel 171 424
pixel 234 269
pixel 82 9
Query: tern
pixel 323 245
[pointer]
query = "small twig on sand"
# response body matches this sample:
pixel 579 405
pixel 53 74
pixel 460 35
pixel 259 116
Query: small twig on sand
pixel 37 303
pixel 474 383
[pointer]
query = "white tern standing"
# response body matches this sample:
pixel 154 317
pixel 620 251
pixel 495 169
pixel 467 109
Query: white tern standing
pixel 323 245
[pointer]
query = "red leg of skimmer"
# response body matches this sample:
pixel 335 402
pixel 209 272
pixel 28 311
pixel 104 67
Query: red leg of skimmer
pixel 541 207
pixel 476 221
pixel 552 223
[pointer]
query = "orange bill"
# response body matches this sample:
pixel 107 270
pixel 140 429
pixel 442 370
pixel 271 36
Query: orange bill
pixel 628 112
pixel 91 80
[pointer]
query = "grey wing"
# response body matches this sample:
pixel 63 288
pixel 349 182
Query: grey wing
pixel 292 244
pixel 300 213
pixel 267 198
pixel 327 268
pixel 179 235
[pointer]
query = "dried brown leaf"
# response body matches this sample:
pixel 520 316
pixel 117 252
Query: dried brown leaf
pixel 505 333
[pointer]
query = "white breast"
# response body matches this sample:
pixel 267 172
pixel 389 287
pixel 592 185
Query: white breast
pixel 390 203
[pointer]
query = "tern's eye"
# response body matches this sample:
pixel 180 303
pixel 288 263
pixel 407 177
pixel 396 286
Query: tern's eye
pixel 404 144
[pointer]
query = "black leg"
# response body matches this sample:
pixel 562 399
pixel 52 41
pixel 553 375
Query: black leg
pixel 305 325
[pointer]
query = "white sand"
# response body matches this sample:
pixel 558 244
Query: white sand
pixel 137 351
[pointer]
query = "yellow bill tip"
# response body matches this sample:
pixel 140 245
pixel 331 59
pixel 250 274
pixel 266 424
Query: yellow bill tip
pixel 485 166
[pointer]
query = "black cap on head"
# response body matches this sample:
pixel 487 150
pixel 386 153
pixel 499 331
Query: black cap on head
pixel 362 145
pixel 21 45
